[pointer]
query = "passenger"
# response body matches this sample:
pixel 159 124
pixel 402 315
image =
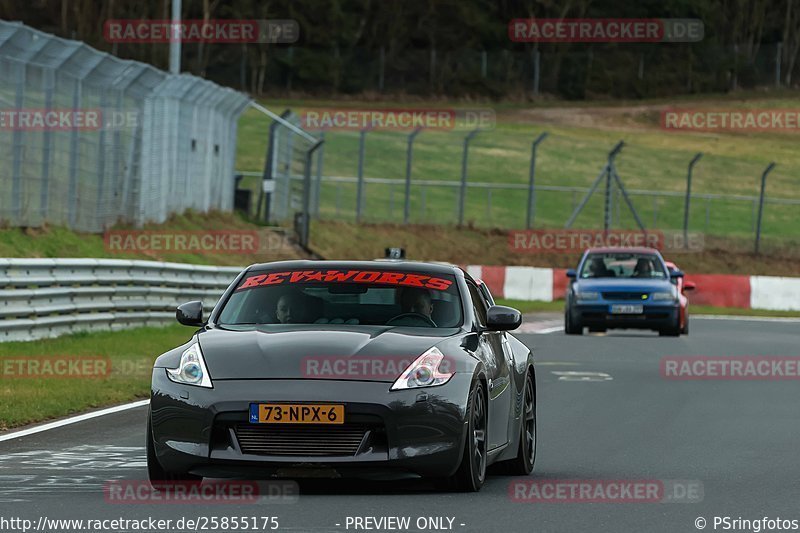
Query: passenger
pixel 288 308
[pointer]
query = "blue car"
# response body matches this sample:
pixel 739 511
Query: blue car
pixel 625 288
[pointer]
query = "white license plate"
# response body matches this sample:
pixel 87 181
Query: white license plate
pixel 627 309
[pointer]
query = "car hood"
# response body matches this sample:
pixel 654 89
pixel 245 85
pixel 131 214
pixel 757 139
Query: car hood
pixel 375 353
pixel 623 284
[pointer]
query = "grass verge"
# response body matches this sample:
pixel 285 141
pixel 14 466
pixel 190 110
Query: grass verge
pixel 124 376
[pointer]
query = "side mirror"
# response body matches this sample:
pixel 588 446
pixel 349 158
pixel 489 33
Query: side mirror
pixel 502 318
pixel 190 313
pixel 689 285
pixel 676 274
pixel 571 274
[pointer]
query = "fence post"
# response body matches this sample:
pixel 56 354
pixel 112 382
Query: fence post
pixel 463 192
pixel 18 147
pixel 778 54
pixel 267 181
pixel 74 146
pixel 537 56
pixel 688 200
pixel 362 141
pixel 409 155
pixel 761 204
pixel 484 64
pixel 318 181
pixel 605 173
pixel 306 215
pixel 531 214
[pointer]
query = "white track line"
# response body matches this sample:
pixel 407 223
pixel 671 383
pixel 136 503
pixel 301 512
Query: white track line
pixel 549 330
pixel 747 318
pixel 72 420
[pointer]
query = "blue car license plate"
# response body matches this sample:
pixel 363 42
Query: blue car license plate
pixel 627 309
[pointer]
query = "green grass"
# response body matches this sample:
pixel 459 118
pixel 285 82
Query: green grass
pixel 558 306
pixel 24 400
pixel 571 156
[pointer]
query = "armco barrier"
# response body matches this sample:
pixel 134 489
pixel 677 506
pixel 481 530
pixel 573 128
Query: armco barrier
pixel 720 290
pixel 50 297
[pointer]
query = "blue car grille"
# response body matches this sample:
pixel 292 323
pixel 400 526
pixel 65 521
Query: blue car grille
pixel 632 296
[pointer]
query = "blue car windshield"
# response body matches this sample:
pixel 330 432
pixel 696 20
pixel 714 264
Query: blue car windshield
pixel 623 265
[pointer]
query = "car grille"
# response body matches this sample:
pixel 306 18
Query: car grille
pixel 625 296
pixel 328 440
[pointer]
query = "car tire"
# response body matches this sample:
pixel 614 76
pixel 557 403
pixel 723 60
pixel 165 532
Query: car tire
pixel 471 473
pixel 572 327
pixel 155 472
pixel 672 331
pixel 522 464
pixel 685 330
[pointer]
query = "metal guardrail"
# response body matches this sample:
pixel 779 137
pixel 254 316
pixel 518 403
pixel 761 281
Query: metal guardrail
pixel 51 297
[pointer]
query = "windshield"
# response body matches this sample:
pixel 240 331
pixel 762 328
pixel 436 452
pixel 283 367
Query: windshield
pixel 623 265
pixel 371 297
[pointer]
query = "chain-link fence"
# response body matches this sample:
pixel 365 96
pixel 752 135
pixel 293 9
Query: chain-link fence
pixel 290 182
pixel 88 140
pixel 367 177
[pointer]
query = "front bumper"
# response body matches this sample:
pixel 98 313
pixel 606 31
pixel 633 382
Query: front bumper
pixel 419 432
pixel 598 314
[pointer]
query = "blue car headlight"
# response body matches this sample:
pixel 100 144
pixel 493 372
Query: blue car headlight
pixel 662 296
pixel 587 295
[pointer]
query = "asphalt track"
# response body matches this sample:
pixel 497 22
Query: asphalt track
pixel 736 440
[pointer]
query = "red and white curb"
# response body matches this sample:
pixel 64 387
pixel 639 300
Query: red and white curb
pixel 719 290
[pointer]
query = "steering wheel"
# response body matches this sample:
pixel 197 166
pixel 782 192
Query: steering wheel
pixel 411 317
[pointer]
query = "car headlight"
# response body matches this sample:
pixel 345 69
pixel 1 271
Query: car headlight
pixel 192 369
pixel 587 295
pixel 665 295
pixel 424 372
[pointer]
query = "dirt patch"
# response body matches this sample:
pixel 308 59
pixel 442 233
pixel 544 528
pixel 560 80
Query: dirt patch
pixel 479 246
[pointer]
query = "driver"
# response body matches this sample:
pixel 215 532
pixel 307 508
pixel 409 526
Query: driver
pixel 599 269
pixel 643 269
pixel 414 300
